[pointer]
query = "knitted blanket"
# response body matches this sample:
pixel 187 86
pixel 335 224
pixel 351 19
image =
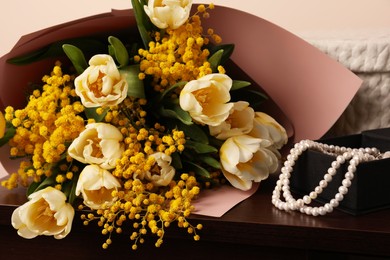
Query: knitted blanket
pixel 367 54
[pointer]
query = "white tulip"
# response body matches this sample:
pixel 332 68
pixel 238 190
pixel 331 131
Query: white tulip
pixel 46 213
pixel 96 186
pixel 100 144
pixel 239 122
pixel 168 13
pixel 266 127
pixel 206 99
pixel 101 84
pixel 162 172
pixel 246 159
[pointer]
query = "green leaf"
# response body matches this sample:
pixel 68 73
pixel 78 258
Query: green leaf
pixel 90 112
pixel 216 142
pixel 30 57
pixel 176 112
pixel 194 132
pixel 253 97
pixel 211 161
pixel 32 188
pixel 227 51
pixel 76 56
pixel 136 86
pixel 171 88
pixel 199 170
pixel 176 161
pixel 111 51
pixel 237 84
pixel 144 2
pixel 120 51
pixel 143 22
pixel 72 194
pixel 69 189
pixel 9 133
pixel 215 60
pixel 147 23
pixel 49 181
pixel 87 45
pixel 200 147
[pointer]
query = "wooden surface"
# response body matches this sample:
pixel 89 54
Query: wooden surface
pixel 254 229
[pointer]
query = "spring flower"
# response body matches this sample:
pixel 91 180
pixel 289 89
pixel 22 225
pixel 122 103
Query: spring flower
pixel 206 99
pixel 96 186
pixel 99 143
pixel 246 159
pixel 2 125
pixel 168 13
pixel 46 213
pixel 264 126
pixel 101 84
pixel 162 172
pixel 83 135
pixel 239 122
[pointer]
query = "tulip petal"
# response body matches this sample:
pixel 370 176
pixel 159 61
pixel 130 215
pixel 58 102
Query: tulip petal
pixel 96 184
pixel 166 13
pixel 101 84
pixel 24 232
pixel 54 198
pixel 237 182
pixel 15 218
pixel 46 213
pixel 206 99
pixel 229 155
pixel 99 143
pixel 64 215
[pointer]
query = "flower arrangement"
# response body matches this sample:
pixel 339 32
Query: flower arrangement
pixel 135 134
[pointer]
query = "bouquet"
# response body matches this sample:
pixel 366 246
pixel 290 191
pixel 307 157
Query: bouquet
pixel 134 131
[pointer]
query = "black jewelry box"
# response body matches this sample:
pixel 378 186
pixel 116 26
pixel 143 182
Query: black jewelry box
pixel 370 188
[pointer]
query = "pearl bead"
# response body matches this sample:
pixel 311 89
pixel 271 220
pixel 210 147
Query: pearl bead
pixel 342 155
pixel 286 194
pixel 327 177
pixel 292 206
pixel 307 210
pixel 321 211
pixel 334 203
pixel 318 189
pixel 332 171
pixel 306 199
pixel 288 163
pixel 313 195
pixel 339 197
pixel 323 184
pixel 335 164
pixel 386 155
pixel 354 161
pixel 341 159
pixel 351 168
pixel 346 182
pixel 343 190
pixel 314 211
pixel 328 208
pixel 349 175
pixel 300 203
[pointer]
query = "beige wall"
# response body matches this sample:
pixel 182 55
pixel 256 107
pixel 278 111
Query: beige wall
pixel 17 17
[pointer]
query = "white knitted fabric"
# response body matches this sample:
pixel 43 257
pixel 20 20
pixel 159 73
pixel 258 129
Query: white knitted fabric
pixel 367 54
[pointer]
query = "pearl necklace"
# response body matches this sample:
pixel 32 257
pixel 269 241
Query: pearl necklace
pixel 353 156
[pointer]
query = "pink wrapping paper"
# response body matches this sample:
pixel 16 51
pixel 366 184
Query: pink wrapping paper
pixel 308 90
